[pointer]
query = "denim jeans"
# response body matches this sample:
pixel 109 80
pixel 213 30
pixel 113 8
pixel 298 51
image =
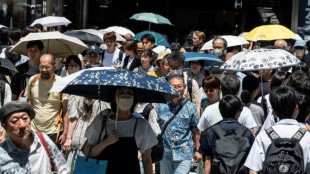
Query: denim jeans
pixel 167 166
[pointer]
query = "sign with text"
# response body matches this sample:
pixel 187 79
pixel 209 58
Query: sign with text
pixel 304 19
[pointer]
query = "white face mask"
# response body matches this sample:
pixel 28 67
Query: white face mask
pixel 73 69
pixel 176 72
pixel 299 53
pixel 125 101
pixel 217 52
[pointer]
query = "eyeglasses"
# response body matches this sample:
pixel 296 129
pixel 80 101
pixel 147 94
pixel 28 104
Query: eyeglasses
pixel 44 67
pixel 177 86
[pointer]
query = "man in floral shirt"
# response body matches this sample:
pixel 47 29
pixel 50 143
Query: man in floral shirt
pixel 26 151
pixel 178 140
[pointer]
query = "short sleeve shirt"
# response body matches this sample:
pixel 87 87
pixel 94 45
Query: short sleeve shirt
pixel 178 142
pixel 45 104
pixel 144 134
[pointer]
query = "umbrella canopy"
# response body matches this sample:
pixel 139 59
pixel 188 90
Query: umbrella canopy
pixel 7 68
pixel 194 56
pixel 159 39
pixel 51 21
pixel 118 36
pixel 243 34
pixel 119 30
pixel 55 43
pixel 2 26
pixel 94 32
pixel 269 32
pixel 231 41
pixel 260 59
pixel 85 83
pixel 85 37
pixel 151 18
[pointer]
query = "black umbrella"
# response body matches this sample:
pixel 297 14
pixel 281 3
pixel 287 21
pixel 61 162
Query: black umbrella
pixel 85 37
pixel 7 68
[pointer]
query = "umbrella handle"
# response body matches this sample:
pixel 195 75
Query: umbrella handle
pixel 116 116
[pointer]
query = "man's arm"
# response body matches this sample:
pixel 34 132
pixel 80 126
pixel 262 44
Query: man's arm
pixel 252 172
pixel 64 106
pixel 196 138
pixel 207 166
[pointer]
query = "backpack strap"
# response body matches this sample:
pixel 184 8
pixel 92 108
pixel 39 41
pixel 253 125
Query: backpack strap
pixel 218 131
pixel 299 134
pixel 43 142
pixel 190 86
pixel 272 134
pixel 241 130
pixel 34 80
pixel 2 91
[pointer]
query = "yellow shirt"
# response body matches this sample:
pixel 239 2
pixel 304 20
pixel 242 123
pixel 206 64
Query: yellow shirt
pixel 152 73
pixel 46 105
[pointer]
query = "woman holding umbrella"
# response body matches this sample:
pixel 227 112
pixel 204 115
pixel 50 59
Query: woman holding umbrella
pixel 119 145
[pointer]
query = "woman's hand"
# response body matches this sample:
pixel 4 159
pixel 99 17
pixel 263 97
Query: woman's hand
pixel 67 145
pixel 112 138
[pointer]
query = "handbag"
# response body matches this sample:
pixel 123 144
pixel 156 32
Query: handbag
pixel 157 151
pixel 90 165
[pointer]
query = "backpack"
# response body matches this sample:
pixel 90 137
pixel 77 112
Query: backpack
pixel 146 111
pixel 284 155
pixel 231 150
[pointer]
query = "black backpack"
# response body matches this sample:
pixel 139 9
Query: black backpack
pixel 231 150
pixel 284 155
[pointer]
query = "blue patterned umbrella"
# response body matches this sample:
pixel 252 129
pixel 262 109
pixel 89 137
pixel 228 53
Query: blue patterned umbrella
pixel 159 39
pixel 147 88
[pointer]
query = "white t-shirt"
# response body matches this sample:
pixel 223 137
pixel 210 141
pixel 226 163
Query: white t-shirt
pixel 111 59
pixel 144 135
pixel 212 115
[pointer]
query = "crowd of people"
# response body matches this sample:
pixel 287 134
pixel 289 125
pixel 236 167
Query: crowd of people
pixel 224 121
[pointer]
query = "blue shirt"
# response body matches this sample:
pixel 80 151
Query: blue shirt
pixel 207 139
pixel 178 142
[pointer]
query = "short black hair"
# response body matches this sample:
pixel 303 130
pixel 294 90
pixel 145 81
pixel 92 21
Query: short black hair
pixel 176 56
pixel 230 84
pixel 15 34
pixel 283 100
pixel 224 41
pixel 169 77
pixel 304 107
pixel 4 38
pixel 175 46
pixel 75 58
pixel 229 106
pixel 296 79
pixel 39 26
pixel 38 43
pixel 148 37
pixel 29 29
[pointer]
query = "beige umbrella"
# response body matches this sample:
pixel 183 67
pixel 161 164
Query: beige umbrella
pixel 55 43
pixel 118 36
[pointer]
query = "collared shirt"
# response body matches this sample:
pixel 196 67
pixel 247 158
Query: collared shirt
pixel 285 128
pixel 18 161
pixel 212 115
pixel 207 140
pixel 178 142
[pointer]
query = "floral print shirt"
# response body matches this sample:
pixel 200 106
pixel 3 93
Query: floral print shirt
pixel 177 138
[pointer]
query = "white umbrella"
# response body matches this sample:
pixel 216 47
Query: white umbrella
pixel 297 37
pixel 120 30
pixel 118 36
pixel 260 59
pixel 55 43
pixel 231 41
pixel 2 26
pixel 51 21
